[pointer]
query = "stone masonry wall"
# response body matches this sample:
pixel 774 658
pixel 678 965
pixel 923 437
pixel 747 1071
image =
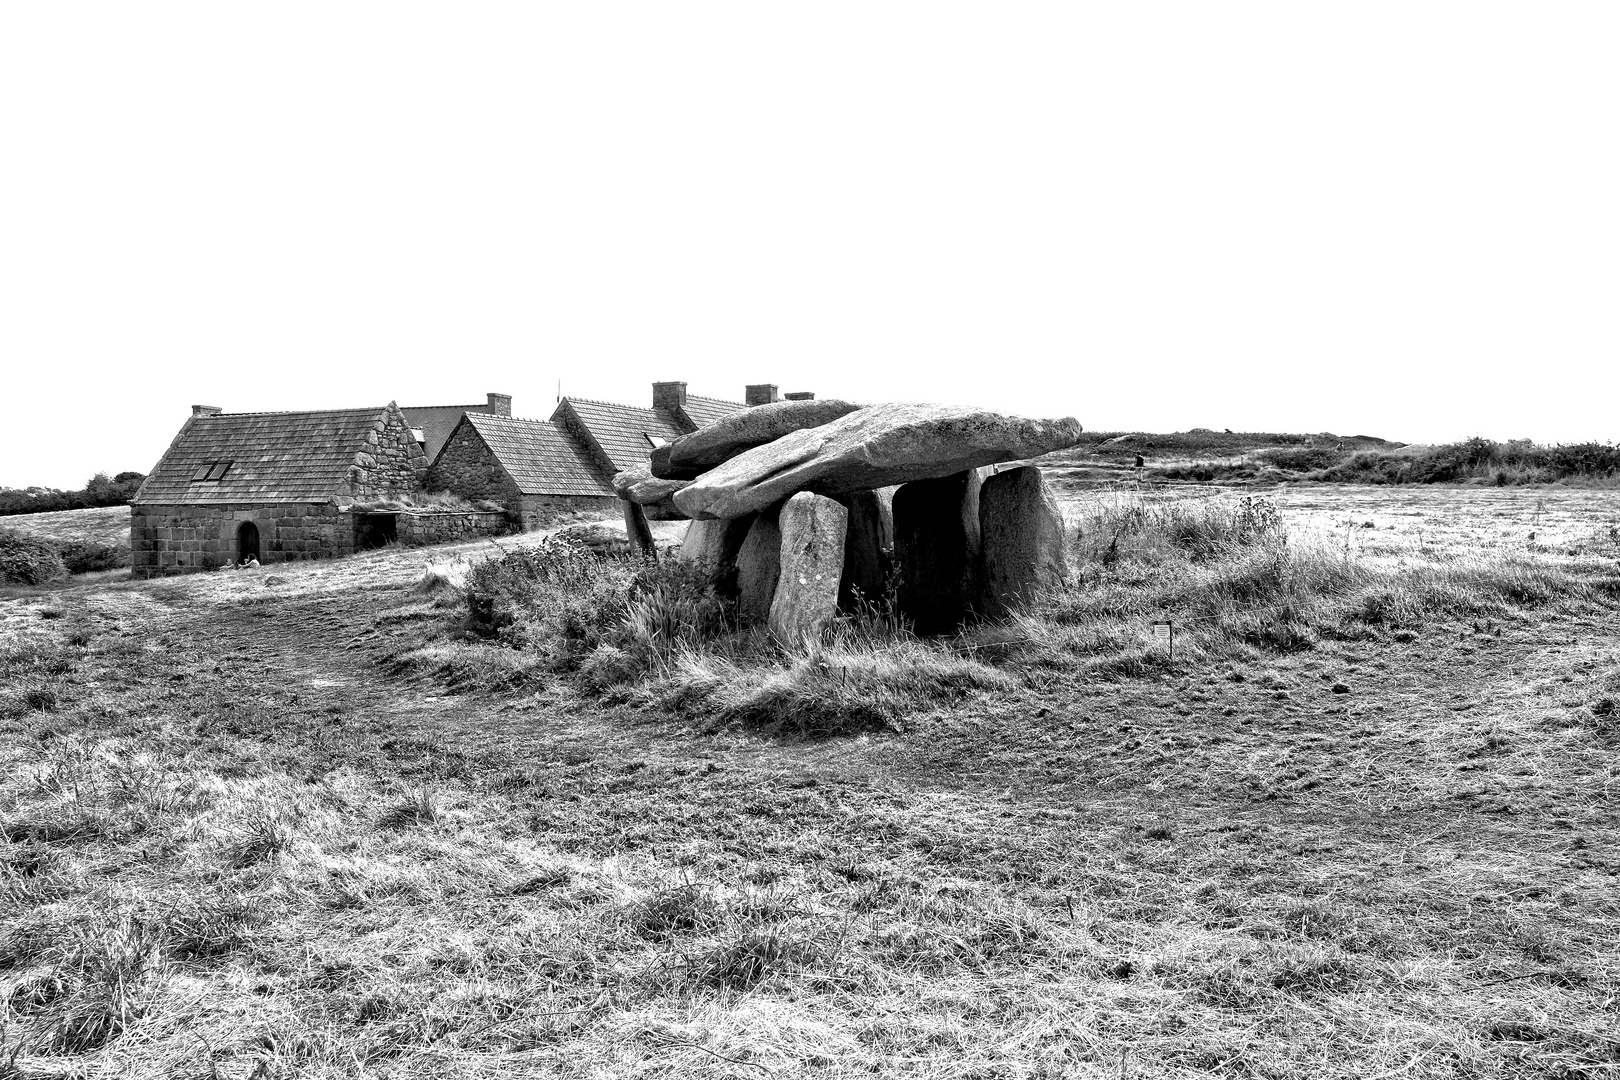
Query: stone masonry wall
pixel 466 467
pixel 167 540
pixel 542 511
pixel 392 463
pixel 443 528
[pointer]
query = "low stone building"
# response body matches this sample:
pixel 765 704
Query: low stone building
pixel 269 486
pixel 432 424
pixel 305 485
pixel 534 468
pixel 538 467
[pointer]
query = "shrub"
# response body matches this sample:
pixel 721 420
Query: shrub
pixel 1517 461
pixel 674 602
pixel 1302 458
pixel 89 556
pixel 508 588
pixel 25 560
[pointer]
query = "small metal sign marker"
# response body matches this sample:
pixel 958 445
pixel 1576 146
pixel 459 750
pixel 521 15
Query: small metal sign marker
pixel 1165 631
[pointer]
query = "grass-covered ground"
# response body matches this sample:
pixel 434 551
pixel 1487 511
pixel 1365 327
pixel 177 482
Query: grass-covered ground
pixel 102 524
pixel 278 824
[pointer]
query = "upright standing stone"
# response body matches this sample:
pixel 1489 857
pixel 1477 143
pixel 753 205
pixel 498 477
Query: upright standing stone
pixel 936 550
pixel 868 548
pixel 1024 540
pixel 806 601
pixel 759 566
pixel 714 545
pixel 638 531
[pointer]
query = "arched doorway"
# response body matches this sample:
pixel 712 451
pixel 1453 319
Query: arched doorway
pixel 247 542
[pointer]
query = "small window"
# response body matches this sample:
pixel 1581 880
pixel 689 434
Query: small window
pixel 213 470
pixel 655 440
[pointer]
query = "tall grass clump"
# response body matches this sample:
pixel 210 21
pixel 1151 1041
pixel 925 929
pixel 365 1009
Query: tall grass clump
pixel 1228 573
pixel 556 594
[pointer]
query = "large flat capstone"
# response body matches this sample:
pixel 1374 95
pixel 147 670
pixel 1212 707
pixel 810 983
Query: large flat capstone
pixel 729 436
pixel 640 486
pixel 869 448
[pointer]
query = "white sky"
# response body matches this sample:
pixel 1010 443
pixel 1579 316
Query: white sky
pixel 1371 218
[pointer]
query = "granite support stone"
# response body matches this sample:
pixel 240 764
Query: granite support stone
pixel 812 565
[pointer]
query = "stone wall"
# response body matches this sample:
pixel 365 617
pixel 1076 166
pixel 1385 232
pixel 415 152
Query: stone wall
pixel 392 464
pixel 185 539
pixel 467 467
pixel 542 511
pixel 443 527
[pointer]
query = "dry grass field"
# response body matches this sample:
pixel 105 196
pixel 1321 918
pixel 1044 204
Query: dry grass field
pixel 292 823
pixel 102 524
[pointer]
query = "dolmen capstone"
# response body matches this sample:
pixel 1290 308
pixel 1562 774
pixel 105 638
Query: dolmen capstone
pixel 878 446
pixel 654 495
pixel 801 512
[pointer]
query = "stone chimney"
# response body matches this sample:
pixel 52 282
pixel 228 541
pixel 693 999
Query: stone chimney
pixel 760 393
pixel 800 395
pixel 669 395
pixel 206 410
pixel 500 404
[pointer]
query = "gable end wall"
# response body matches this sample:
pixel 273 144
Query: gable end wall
pixel 467 467
pixel 391 464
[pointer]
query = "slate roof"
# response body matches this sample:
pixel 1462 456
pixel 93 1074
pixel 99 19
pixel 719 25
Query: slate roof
pixel 540 456
pixel 436 422
pixel 622 430
pixel 281 457
pixel 706 410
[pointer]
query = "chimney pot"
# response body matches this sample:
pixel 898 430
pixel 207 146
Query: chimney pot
pixel 760 393
pixel 669 395
pixel 800 395
pixel 500 404
pixel 206 410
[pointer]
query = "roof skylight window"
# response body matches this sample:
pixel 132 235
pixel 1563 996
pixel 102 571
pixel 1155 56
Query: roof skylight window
pixel 655 440
pixel 213 470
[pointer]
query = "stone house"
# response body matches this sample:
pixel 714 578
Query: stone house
pixel 294 485
pixel 537 467
pixel 434 423
pixel 534 468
